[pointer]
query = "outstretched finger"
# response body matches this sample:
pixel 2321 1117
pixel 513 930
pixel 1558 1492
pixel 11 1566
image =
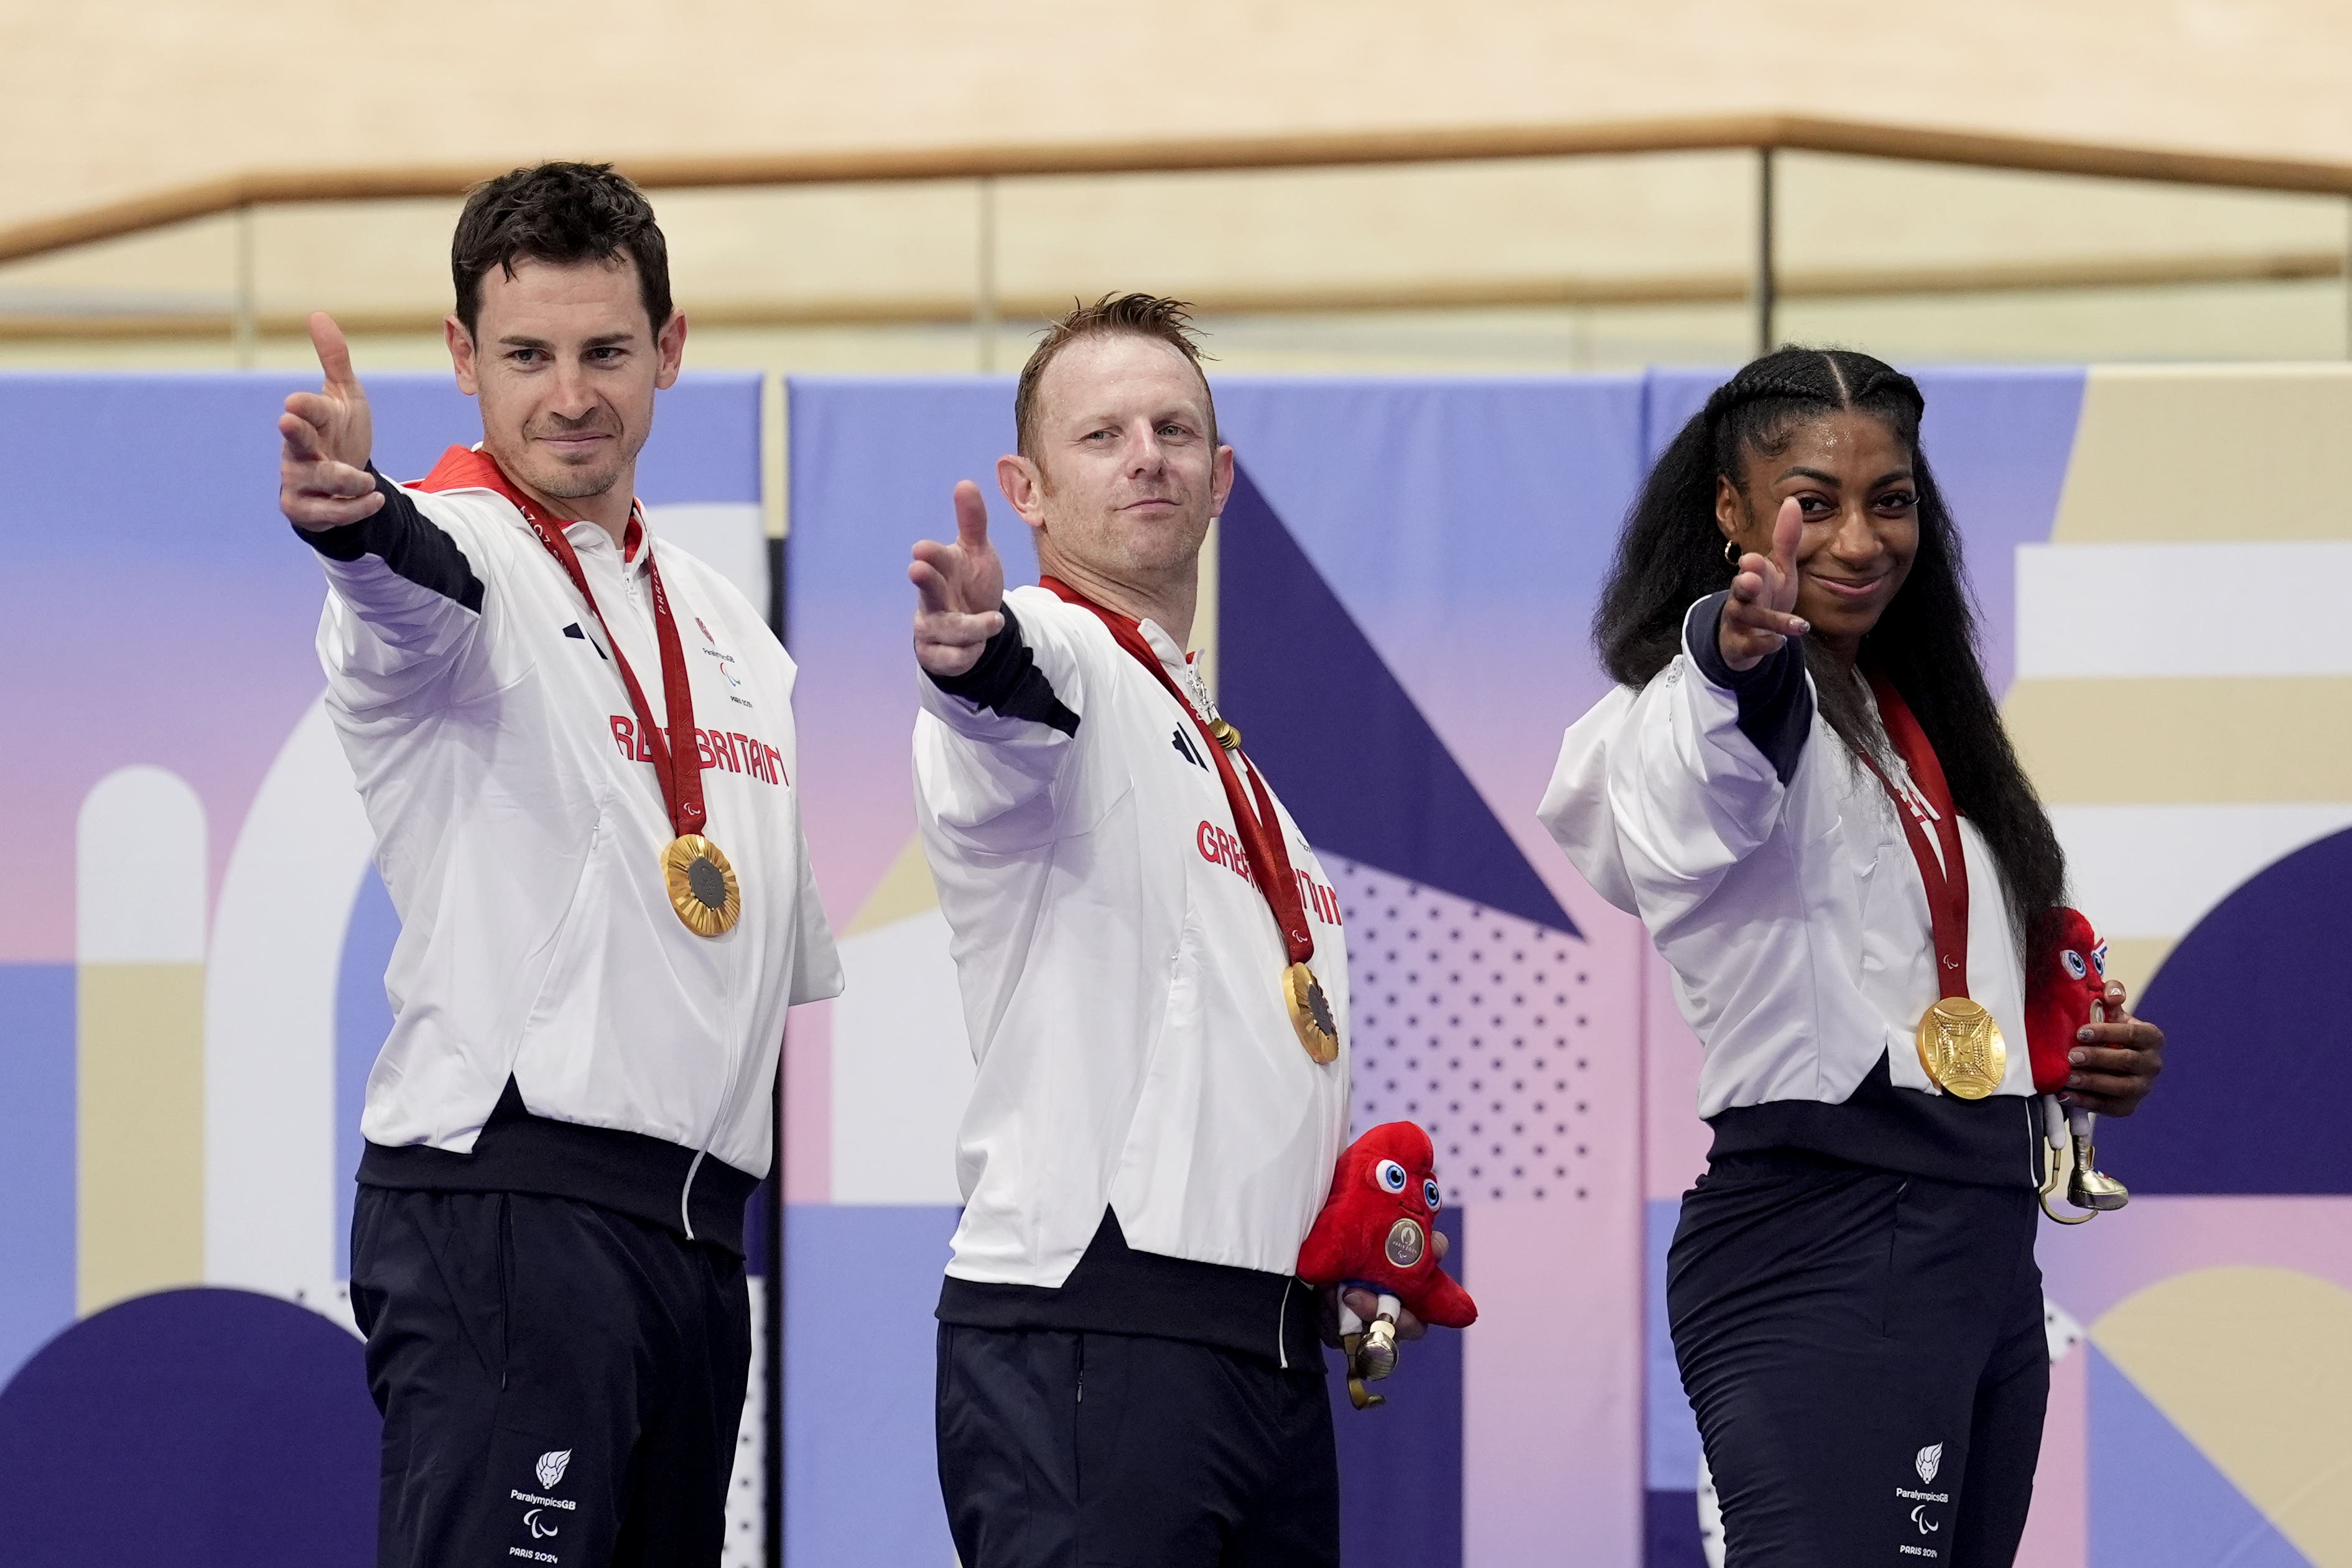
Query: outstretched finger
pixel 972 514
pixel 331 479
pixel 316 409
pixel 1748 613
pixel 316 512
pixel 931 584
pixel 334 353
pixel 301 436
pixel 1787 530
pixel 1762 579
pixel 956 628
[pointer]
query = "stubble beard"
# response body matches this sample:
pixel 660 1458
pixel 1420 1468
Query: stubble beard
pixel 1151 560
pixel 564 483
pixel 1122 552
pixel 560 481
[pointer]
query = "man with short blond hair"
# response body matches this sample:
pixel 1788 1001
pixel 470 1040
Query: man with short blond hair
pixel 1155 983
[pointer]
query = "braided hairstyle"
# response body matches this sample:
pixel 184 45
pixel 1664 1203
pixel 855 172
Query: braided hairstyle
pixel 1670 555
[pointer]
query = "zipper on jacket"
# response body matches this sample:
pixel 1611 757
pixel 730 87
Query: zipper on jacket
pixel 1281 1340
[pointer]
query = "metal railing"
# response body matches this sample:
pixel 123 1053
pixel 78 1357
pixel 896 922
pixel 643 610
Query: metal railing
pixel 1764 135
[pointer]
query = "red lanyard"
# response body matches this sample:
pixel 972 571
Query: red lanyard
pixel 678 765
pixel 1260 830
pixel 1946 880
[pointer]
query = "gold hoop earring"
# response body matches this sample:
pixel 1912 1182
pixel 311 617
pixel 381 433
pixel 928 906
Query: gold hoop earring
pixel 1731 554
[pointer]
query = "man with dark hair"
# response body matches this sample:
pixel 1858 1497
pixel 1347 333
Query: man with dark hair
pixel 560 212
pixel 555 726
pixel 1156 988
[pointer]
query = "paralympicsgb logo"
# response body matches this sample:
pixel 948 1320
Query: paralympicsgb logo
pixel 1930 1459
pixel 552 1464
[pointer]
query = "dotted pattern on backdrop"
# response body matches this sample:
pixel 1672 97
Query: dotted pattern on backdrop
pixel 1472 1023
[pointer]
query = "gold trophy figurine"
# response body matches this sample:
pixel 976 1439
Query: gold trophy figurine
pixel 2087 1186
pixel 2073 1163
pixel 2067 990
pixel 1371 1349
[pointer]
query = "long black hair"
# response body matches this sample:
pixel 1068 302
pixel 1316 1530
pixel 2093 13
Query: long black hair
pixel 1671 555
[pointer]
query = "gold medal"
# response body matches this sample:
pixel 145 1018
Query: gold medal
pixel 1310 1013
pixel 1961 1048
pixel 702 886
pixel 1260 827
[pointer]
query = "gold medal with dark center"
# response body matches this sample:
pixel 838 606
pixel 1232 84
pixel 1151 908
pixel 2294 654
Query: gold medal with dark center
pixel 1961 1048
pixel 1310 1013
pixel 702 886
pixel 1258 823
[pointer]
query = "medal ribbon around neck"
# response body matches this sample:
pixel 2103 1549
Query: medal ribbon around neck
pixel 1261 833
pixel 1960 1044
pixel 702 884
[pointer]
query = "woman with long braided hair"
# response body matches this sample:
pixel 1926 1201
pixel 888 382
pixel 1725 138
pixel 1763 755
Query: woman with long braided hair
pixel 1802 787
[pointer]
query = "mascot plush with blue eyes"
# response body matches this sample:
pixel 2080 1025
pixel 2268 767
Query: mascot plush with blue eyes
pixel 2067 989
pixel 1377 1231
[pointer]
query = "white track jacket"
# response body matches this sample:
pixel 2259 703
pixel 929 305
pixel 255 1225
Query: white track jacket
pixel 1777 883
pixel 518 829
pixel 1121 971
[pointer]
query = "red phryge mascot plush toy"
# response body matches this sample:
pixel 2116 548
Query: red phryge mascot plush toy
pixel 2067 989
pixel 1375 1232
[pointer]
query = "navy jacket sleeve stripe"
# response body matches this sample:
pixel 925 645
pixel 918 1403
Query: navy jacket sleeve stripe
pixel 407 541
pixel 1006 680
pixel 1776 701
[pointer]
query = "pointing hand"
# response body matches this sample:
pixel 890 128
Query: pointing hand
pixel 322 478
pixel 1756 619
pixel 960 590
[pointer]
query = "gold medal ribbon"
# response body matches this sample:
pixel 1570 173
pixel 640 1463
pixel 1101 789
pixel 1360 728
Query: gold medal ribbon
pixel 701 884
pixel 1960 1044
pixel 1260 828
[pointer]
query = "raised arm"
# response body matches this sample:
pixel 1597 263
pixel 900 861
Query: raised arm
pixel 1743 642
pixel 323 479
pixel 407 599
pixel 1659 792
pixel 1001 697
pixel 1757 619
pixel 959 591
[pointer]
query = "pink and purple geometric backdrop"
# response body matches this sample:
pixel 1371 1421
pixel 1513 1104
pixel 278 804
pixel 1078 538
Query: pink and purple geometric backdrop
pixel 192 947
pixel 192 955
pixel 1405 581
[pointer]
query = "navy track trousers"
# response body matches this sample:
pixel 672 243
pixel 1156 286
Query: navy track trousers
pixel 1103 1450
pixel 1866 1353
pixel 561 1383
